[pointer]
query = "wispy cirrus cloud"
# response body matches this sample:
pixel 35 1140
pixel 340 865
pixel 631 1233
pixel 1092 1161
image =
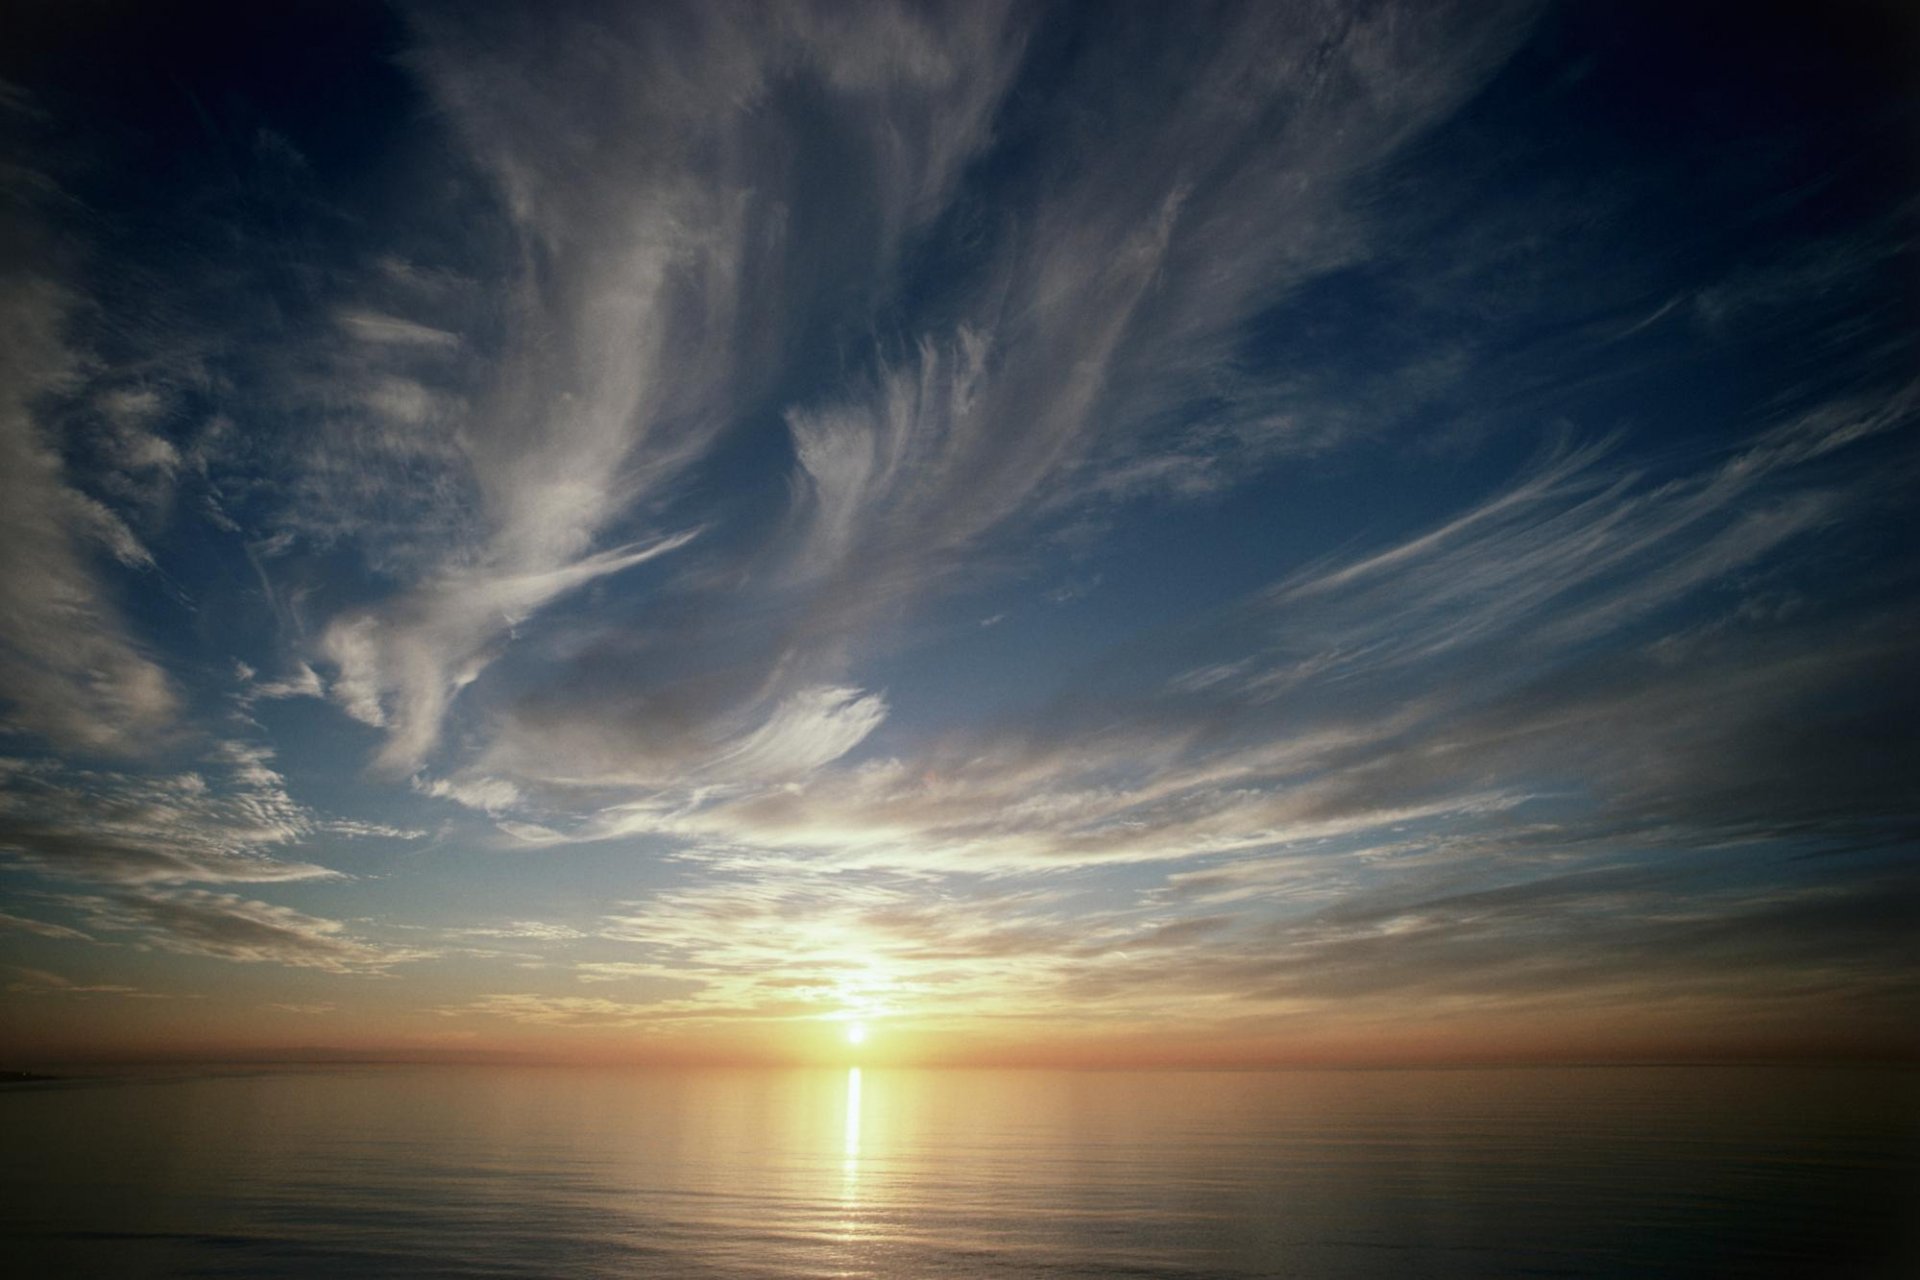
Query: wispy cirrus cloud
pixel 220 826
pixel 628 342
pixel 1080 335
pixel 1649 935
pixel 41 928
pixel 39 982
pixel 148 838
pixel 1578 548
pixel 556 1011
pixel 69 668
pixel 399 667
pixel 226 926
pixel 1368 695
pixel 1422 814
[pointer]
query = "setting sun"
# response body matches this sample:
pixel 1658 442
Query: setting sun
pixel 856 1033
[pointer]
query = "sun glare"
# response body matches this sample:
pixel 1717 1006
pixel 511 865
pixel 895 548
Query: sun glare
pixel 856 1033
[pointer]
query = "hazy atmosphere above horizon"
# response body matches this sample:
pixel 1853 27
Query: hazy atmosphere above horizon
pixel 1099 533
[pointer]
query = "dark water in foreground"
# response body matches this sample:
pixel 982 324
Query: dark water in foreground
pixel 506 1172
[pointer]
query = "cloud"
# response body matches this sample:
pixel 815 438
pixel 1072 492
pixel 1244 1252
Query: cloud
pixel 369 327
pixel 41 928
pixel 1627 937
pixel 68 670
pixel 1571 551
pixel 1209 767
pixel 775 940
pixel 557 1011
pixel 621 971
pixel 399 667
pixel 217 826
pixel 225 926
pixel 1706 936
pixel 1105 304
pixel 812 727
pixel 490 795
pixel 1500 812
pixel 628 344
pixel 38 982
pixel 302 682
pixel 527 930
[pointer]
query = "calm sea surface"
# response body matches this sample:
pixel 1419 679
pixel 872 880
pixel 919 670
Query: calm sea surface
pixel 509 1172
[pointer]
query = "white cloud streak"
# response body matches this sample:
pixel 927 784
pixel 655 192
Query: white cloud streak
pixel 68 670
pixel 1479 698
pixel 225 926
pixel 220 825
pixel 1117 281
pixel 646 231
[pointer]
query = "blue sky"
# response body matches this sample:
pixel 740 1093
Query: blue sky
pixel 1235 531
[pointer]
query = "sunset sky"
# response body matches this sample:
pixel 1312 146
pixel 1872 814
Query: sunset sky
pixel 1081 533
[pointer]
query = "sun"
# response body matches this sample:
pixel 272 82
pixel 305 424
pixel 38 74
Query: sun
pixel 856 1033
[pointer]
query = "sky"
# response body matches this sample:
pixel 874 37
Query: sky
pixel 1094 534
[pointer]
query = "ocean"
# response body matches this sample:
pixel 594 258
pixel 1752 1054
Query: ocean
pixel 523 1172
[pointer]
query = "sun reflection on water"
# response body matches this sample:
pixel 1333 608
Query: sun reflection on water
pixel 853 1121
pixel 850 1162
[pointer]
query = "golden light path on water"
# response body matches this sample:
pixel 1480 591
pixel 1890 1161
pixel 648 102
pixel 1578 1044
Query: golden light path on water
pixel 850 1162
pixel 853 1121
